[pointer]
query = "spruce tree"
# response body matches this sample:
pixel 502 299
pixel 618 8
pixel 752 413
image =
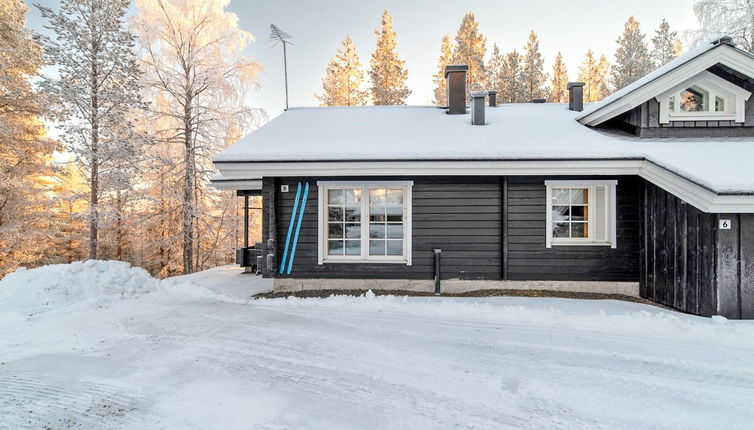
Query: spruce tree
pixel 512 89
pixel 632 58
pixel 495 67
pixel 446 57
pixel 341 86
pixel 663 44
pixel 559 81
pixel 593 72
pixel 534 76
pixel 470 49
pixel 387 71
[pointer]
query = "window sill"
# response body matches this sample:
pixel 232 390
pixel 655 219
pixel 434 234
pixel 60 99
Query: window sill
pixel 579 243
pixel 702 117
pixel 400 260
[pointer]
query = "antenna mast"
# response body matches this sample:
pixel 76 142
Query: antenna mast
pixel 278 36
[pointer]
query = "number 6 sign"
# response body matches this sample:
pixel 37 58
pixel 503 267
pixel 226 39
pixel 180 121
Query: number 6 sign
pixel 724 224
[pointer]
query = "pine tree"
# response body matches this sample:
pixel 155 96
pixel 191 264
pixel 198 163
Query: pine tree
pixel 512 83
pixel 99 85
pixel 470 49
pixel 387 72
pixel 446 57
pixel 677 47
pixel 534 76
pixel 341 86
pixel 632 59
pixel 559 81
pixel 593 73
pixel 495 67
pixel 663 44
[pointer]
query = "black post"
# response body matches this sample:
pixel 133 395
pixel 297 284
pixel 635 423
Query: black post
pixel 437 271
pixel 246 221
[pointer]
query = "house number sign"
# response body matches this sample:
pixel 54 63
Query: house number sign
pixel 724 224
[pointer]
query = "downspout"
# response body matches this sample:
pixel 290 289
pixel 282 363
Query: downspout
pixel 438 252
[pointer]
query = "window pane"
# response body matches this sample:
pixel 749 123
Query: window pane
pixel 560 229
pixel 353 197
pixel 376 247
pixel 671 103
pixel 353 213
pixel 377 213
pixel 395 197
pixel 692 100
pixel 377 231
pixel 335 197
pixel 560 213
pixel 335 214
pixel 394 247
pixel 377 197
pixel 395 213
pixel 335 247
pixel 353 230
pixel 395 231
pixel 578 213
pixel 560 196
pixel 719 104
pixel 353 247
pixel 335 231
pixel 579 196
pixel 579 229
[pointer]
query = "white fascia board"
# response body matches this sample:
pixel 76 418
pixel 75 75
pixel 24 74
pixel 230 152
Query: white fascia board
pixel 723 54
pixel 689 191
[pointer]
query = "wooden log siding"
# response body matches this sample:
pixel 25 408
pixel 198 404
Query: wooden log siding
pixel 678 253
pixel 529 259
pixel 461 216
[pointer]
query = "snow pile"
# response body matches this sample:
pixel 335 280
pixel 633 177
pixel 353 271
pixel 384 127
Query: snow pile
pixel 91 283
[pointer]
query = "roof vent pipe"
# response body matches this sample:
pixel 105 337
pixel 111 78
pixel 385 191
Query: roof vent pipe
pixel 539 100
pixel 492 97
pixel 455 76
pixel 575 96
pixel 477 107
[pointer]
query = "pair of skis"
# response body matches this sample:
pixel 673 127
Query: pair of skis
pixel 296 218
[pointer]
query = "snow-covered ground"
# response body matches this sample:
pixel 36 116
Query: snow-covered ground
pixel 197 352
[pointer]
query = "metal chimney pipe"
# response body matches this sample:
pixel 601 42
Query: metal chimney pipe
pixel 477 107
pixel 575 96
pixel 455 76
pixel 492 97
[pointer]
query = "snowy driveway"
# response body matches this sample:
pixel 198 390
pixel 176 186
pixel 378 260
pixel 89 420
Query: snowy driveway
pixel 199 360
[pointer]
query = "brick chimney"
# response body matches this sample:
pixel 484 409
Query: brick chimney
pixel 455 76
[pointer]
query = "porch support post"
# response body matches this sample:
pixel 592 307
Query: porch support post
pixel 246 221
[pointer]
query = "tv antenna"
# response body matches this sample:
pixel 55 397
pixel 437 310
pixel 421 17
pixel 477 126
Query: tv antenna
pixel 278 36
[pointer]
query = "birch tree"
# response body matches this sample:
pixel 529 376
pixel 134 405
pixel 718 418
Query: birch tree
pixel 194 65
pixel 441 84
pixel 388 73
pixel 559 81
pixel 98 86
pixel 344 78
pixel 717 18
pixel 25 152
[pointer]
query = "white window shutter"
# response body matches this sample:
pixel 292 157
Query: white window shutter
pixel 601 214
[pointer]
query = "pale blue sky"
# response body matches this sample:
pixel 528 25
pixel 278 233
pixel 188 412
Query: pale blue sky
pixel 318 27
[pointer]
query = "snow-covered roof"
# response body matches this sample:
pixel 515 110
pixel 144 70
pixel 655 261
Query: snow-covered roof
pixel 528 131
pixel 696 60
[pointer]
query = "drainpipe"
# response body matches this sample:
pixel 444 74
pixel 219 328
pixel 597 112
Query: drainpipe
pixel 437 271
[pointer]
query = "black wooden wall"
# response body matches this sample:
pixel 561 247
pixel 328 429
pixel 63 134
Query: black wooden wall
pixel 460 215
pixel 678 253
pixel 529 259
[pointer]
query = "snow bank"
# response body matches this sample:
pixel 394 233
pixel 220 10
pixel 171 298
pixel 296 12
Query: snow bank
pixel 91 283
pixel 605 316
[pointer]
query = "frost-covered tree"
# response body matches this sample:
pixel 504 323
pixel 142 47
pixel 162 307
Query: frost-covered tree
pixel 344 78
pixel 632 58
pixel 196 78
pixel 25 153
pixel 559 81
pixel 495 66
pixel 441 85
pixel 470 49
pixel 593 73
pixel 97 88
pixel 534 76
pixel 663 44
pixel 677 47
pixel 512 88
pixel 717 18
pixel 387 73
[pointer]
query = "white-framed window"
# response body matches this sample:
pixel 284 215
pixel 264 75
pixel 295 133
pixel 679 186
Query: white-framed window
pixel 705 97
pixel 366 221
pixel 581 213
